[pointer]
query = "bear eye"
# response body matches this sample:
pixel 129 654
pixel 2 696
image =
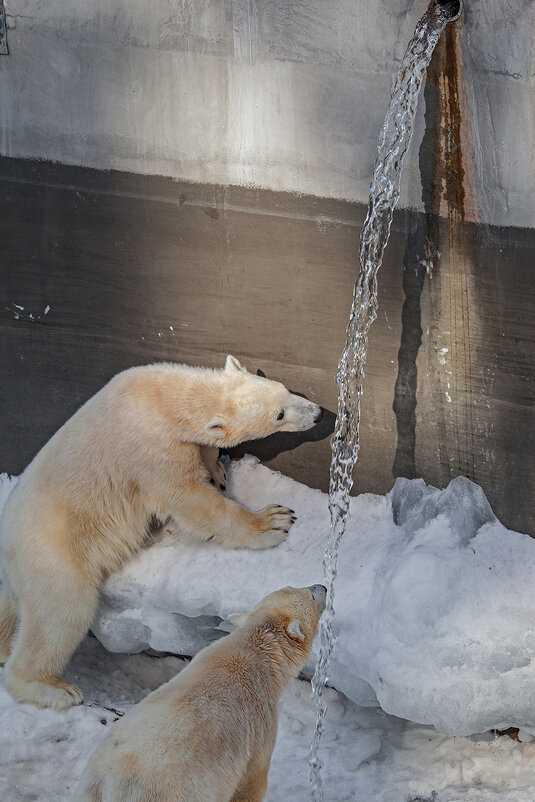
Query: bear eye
pixel 280 416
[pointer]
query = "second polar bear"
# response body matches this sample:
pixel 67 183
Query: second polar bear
pixel 208 734
pixel 145 445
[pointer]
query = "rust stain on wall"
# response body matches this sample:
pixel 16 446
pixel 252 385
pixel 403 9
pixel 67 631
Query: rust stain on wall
pixel 454 182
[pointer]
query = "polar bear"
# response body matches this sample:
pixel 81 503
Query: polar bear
pixel 208 734
pixel 146 445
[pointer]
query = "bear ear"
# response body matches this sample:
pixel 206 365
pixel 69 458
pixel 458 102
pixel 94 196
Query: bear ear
pixel 294 630
pixel 232 365
pixel 216 427
pixel 238 619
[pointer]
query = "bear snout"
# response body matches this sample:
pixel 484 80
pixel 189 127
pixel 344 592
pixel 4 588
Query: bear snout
pixel 319 415
pixel 319 593
pixel 302 414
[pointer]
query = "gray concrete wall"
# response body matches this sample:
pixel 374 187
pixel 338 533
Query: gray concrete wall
pixel 287 94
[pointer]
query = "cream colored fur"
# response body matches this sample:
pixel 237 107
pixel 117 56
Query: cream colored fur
pixel 145 445
pixel 208 734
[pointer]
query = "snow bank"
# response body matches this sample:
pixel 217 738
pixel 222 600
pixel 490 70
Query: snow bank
pixel 435 599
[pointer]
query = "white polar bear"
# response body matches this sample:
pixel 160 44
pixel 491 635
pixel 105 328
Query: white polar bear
pixel 146 445
pixel 208 734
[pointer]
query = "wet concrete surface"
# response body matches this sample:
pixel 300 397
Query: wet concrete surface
pixel 102 270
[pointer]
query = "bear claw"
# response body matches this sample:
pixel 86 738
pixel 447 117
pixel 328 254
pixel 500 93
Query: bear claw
pixel 276 519
pixel 219 476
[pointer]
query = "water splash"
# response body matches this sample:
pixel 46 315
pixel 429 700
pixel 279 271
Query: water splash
pixel 384 193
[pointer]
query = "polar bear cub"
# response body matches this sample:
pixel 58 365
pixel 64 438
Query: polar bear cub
pixel 208 734
pixel 145 445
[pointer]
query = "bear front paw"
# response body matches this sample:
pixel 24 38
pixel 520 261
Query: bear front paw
pixel 272 525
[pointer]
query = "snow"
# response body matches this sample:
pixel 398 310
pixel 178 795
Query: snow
pixel 368 755
pixel 435 604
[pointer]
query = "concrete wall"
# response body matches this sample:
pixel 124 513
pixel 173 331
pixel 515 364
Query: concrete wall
pixel 287 94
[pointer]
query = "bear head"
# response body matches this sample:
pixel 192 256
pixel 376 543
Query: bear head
pixel 290 616
pixel 252 407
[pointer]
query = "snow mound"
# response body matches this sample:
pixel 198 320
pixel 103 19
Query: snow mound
pixel 435 599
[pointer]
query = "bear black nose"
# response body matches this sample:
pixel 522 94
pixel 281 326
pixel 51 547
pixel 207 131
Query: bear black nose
pixel 319 416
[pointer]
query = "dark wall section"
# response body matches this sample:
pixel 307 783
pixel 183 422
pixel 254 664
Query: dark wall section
pixel 103 270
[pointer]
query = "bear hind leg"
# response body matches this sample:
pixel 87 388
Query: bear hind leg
pixel 50 630
pixel 8 625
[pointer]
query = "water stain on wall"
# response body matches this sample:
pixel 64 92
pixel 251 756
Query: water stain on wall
pixel 445 261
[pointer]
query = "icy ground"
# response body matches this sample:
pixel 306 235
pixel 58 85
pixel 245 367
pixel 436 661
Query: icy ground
pixel 435 608
pixel 368 755
pixel 435 599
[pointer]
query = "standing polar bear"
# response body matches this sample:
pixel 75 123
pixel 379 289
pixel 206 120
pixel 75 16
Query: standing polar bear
pixel 145 445
pixel 208 734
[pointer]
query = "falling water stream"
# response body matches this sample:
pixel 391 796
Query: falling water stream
pixel 384 193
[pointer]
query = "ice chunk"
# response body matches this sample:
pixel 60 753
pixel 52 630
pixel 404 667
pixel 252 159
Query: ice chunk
pixel 415 505
pixel 125 631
